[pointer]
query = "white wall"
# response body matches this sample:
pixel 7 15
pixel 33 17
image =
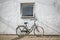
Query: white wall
pixel 47 12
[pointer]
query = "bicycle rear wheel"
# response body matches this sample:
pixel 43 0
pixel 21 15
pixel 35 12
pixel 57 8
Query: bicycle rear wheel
pixel 21 30
pixel 39 30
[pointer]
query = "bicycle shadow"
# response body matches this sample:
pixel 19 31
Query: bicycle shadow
pixel 16 38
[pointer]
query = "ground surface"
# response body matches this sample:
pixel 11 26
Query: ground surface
pixel 15 37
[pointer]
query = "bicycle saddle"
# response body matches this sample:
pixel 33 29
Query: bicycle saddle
pixel 25 22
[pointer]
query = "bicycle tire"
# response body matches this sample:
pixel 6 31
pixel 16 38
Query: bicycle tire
pixel 19 30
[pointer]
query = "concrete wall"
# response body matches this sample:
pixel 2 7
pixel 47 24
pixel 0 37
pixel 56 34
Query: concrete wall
pixel 47 12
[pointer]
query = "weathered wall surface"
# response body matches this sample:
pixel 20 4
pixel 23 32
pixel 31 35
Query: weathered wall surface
pixel 47 12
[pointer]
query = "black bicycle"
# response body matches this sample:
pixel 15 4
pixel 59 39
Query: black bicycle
pixel 23 29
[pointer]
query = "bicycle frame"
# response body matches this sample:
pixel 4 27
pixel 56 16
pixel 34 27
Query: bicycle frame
pixel 33 27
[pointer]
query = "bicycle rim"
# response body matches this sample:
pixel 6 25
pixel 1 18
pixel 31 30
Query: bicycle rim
pixel 18 31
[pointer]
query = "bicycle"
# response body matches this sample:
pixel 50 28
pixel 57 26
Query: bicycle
pixel 23 29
